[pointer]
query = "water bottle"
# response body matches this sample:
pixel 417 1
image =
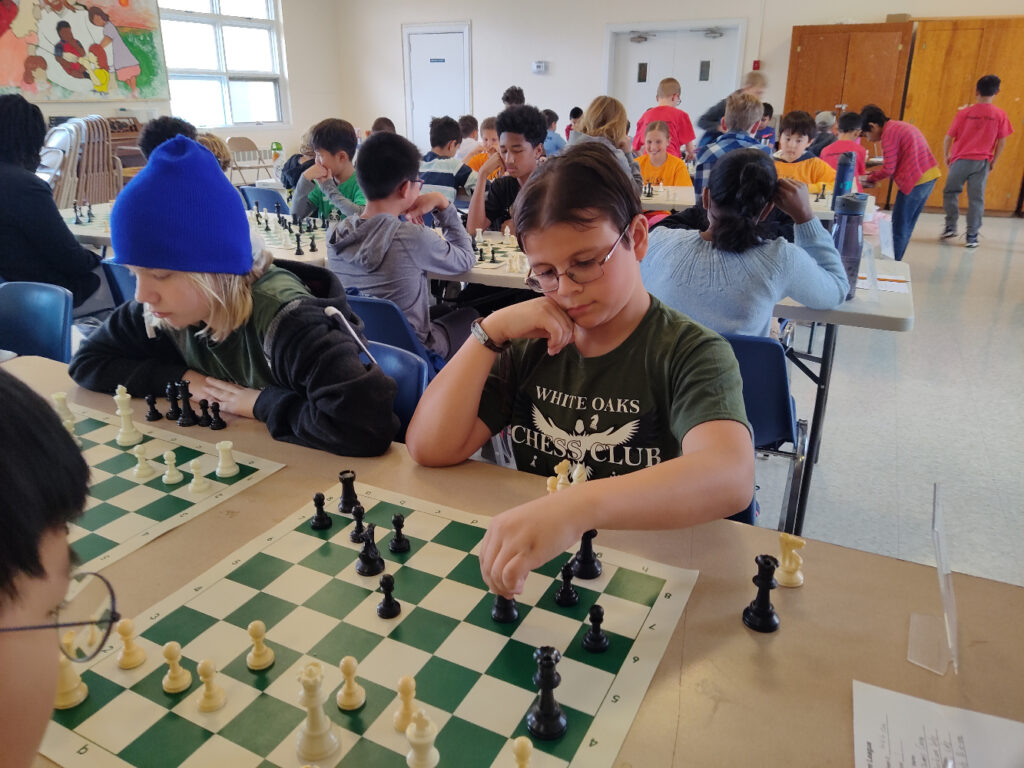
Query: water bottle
pixel 844 177
pixel 848 233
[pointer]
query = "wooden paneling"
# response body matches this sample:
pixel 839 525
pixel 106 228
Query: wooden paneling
pixel 877 68
pixel 817 68
pixel 1000 55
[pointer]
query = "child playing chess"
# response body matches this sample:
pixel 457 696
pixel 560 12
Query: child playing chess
pixel 594 370
pixel 212 309
pixel 43 480
pixel 794 160
pixel 657 166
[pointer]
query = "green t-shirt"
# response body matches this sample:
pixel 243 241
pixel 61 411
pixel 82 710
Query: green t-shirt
pixel 349 188
pixel 240 357
pixel 619 412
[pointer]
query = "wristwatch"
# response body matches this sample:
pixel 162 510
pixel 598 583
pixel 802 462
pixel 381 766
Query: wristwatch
pixel 483 338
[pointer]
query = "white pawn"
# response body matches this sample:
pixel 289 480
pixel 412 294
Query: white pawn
pixel 522 750
pixel 316 738
pixel 69 425
pixel 173 474
pixel 132 654
pixel 71 691
pixel 406 694
pixel 60 402
pixel 226 466
pixel 508 236
pixel 351 695
pixel 421 734
pixel 178 678
pixel 562 468
pixel 128 435
pixel 199 483
pixel 213 695
pixel 261 656
pixel 143 469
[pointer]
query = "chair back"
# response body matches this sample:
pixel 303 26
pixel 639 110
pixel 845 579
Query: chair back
pixel 35 319
pixel 242 144
pixel 265 196
pixel 769 405
pixel 410 373
pixel 384 322
pixel 120 280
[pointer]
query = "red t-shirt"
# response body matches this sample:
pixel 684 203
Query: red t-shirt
pixel 831 153
pixel 679 127
pixel 975 131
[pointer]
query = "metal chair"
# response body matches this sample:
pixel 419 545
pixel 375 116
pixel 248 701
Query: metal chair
pixel 246 156
pixel 265 196
pixel 120 280
pixel 772 412
pixel 384 322
pixel 411 374
pixel 35 319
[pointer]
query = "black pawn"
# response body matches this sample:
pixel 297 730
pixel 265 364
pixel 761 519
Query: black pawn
pixel 89 217
pixel 760 615
pixel 266 224
pixel 216 422
pixel 595 641
pixel 370 563
pixel 586 565
pixel 348 492
pixel 545 719
pixel 320 519
pixel 567 596
pixel 312 242
pixel 298 244
pixel 277 209
pixel 188 415
pixel 388 608
pixel 204 414
pixel 78 213
pixel 505 610
pixel 399 542
pixel 152 414
pixel 172 396
pixel 356 534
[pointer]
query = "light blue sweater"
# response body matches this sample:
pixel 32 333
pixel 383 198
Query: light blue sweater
pixel 736 292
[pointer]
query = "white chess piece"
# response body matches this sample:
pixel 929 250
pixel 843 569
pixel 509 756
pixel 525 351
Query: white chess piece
pixel 351 695
pixel 226 466
pixel 71 691
pixel 178 678
pixel 479 236
pixel 60 402
pixel 562 470
pixel 261 656
pixel 579 475
pixel 552 483
pixel 213 695
pixel 421 734
pixel 199 483
pixel 316 739
pixel 69 425
pixel 173 474
pixel 128 435
pixel 143 469
pixel 522 750
pixel 406 694
pixel 508 236
pixel 132 654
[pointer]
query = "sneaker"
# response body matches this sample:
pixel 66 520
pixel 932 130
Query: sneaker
pixel 947 234
pixel 972 242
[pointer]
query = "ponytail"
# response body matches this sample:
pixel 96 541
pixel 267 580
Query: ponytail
pixel 742 184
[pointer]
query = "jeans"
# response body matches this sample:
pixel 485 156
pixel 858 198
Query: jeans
pixel 974 173
pixel 905 212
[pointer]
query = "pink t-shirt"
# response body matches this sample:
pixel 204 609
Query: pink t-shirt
pixel 975 131
pixel 831 153
pixel 679 127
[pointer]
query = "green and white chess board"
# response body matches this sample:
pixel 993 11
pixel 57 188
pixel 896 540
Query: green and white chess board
pixel 473 676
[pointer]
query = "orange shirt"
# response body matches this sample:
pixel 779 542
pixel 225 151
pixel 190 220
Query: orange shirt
pixel 671 173
pixel 476 163
pixel 811 170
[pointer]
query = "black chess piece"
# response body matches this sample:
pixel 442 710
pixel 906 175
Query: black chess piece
pixel 505 610
pixel 256 206
pixel 298 243
pixel 399 542
pixel 88 216
pixel 266 224
pixel 348 499
pixel 388 608
pixel 277 209
pixel 370 563
pixel 172 396
pixel 596 641
pixel 152 414
pixel 586 565
pixel 760 615
pixel 545 719
pixel 356 534
pixel 320 519
pixel 78 213
pixel 567 596
pixel 188 415
pixel 323 222
pixel 216 422
pixel 204 413
pixel 312 241
pixel 494 259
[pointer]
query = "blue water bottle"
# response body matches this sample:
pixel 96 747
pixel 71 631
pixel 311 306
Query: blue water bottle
pixel 844 177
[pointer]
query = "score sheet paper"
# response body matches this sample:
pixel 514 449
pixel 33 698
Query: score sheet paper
pixel 893 730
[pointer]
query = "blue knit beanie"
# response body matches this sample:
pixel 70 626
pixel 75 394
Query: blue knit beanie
pixel 181 213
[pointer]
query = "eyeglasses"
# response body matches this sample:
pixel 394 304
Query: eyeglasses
pixel 418 183
pixel 88 613
pixel 581 273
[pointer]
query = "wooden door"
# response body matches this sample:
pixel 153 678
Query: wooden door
pixel 1000 55
pixel 817 67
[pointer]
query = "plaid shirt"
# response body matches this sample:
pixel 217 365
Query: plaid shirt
pixel 727 142
pixel 906 154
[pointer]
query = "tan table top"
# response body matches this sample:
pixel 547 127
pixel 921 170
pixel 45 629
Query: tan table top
pixel 723 695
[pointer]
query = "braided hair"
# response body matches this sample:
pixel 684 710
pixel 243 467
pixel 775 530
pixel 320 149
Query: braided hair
pixel 22 131
pixel 743 183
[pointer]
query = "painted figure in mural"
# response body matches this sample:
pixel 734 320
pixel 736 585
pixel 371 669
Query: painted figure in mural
pixel 122 62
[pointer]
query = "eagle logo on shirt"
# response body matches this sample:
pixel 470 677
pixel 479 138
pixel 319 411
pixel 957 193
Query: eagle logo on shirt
pixel 579 436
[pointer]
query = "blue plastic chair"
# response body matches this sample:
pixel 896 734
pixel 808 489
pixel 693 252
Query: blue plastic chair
pixel 35 319
pixel 266 197
pixel 386 323
pixel 410 372
pixel 771 412
pixel 120 280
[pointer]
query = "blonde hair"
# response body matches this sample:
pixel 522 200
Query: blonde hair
pixel 668 87
pixel 755 80
pixel 305 145
pixel 742 110
pixel 605 117
pixel 658 125
pixel 217 146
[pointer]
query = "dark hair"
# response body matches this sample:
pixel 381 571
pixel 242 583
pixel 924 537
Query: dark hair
pixel 575 113
pixel 443 130
pixel 769 110
pixel 62 25
pixel 386 161
pixel 872 114
pixel 742 183
pixel 513 95
pixel 848 121
pixel 581 185
pixel 383 124
pixel 988 85
pixel 22 131
pixel 550 116
pixel 334 135
pixel 525 120
pixel 798 122
pixel 467 125
pixel 96 11
pixel 43 480
pixel 161 129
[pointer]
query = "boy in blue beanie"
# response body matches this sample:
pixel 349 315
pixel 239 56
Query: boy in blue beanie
pixel 211 308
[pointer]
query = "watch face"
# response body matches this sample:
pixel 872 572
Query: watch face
pixel 479 332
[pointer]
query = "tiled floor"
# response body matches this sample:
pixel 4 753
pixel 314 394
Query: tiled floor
pixel 942 403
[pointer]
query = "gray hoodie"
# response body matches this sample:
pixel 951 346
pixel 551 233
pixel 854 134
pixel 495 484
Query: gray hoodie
pixel 386 257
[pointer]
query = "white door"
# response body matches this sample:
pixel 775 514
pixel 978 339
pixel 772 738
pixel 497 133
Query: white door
pixel 437 81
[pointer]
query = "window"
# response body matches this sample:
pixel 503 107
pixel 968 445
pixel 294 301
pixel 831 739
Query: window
pixel 223 60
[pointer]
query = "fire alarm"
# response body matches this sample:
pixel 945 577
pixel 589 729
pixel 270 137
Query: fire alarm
pixel 539 67
pixel 757 64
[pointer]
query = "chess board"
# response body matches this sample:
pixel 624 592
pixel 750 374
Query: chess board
pixel 473 676
pixel 503 256
pixel 95 232
pixel 123 512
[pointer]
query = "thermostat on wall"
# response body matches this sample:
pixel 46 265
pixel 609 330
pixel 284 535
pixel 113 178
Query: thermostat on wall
pixel 539 67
